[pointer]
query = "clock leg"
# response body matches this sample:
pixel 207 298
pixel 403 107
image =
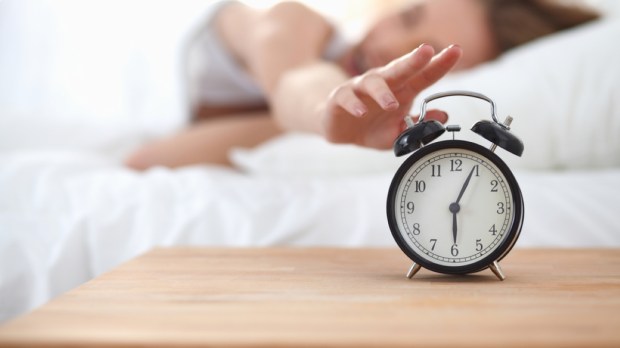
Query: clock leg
pixel 413 270
pixel 497 270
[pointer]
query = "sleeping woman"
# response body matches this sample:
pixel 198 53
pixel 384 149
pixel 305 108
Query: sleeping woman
pixel 253 74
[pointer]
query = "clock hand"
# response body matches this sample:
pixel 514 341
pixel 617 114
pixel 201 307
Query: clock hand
pixel 454 228
pixel 465 185
pixel 455 207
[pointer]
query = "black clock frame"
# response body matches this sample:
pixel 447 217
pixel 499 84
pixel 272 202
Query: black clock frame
pixel 517 200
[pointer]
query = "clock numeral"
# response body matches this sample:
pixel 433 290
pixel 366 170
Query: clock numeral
pixel 455 165
pixel 416 229
pixel 500 208
pixel 434 241
pixel 454 250
pixel 436 170
pixel 493 230
pixel 479 245
pixel 494 183
pixel 420 186
pixel 410 207
pixel 477 170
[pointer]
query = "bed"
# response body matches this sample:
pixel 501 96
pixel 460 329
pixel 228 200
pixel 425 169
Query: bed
pixel 70 111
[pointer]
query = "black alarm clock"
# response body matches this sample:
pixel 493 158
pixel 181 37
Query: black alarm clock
pixel 454 206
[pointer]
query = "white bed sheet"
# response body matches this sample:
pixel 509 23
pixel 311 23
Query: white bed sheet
pixel 66 217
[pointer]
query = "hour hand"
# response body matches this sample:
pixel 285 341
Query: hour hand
pixel 454 208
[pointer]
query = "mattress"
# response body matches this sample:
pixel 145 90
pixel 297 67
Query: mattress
pixel 67 217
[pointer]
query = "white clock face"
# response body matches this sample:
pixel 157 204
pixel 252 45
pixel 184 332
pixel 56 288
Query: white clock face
pixel 453 207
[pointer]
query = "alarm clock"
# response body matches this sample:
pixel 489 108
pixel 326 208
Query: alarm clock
pixel 454 206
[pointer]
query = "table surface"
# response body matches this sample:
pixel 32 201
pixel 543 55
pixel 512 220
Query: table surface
pixel 333 297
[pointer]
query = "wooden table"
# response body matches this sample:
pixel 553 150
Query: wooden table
pixel 333 297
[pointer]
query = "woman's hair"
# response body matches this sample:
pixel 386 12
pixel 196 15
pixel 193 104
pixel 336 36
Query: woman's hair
pixel 515 22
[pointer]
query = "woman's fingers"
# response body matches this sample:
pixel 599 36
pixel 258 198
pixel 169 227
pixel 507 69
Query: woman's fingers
pixel 437 68
pixel 373 85
pixel 370 87
pixel 405 76
pixel 345 97
pixel 400 70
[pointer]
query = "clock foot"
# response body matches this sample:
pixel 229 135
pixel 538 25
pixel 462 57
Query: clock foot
pixel 497 270
pixel 413 270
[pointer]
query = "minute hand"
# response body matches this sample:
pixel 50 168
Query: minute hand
pixel 458 199
pixel 455 208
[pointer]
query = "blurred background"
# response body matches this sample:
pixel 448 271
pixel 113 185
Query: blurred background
pixel 69 66
pixel 109 65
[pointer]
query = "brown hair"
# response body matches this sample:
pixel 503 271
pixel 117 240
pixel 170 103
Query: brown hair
pixel 515 22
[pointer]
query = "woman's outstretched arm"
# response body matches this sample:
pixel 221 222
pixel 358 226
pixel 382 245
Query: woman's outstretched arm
pixel 206 142
pixel 366 110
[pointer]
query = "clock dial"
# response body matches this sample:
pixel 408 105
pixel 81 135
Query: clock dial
pixel 454 207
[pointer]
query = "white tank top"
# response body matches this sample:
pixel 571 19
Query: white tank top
pixel 216 78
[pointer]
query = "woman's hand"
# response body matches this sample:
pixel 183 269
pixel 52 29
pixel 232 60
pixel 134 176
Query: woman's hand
pixel 369 110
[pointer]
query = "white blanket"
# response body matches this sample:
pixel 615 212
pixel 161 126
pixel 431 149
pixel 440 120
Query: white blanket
pixel 67 217
pixel 74 102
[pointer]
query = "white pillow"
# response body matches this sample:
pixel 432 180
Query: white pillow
pixel 299 154
pixel 562 90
